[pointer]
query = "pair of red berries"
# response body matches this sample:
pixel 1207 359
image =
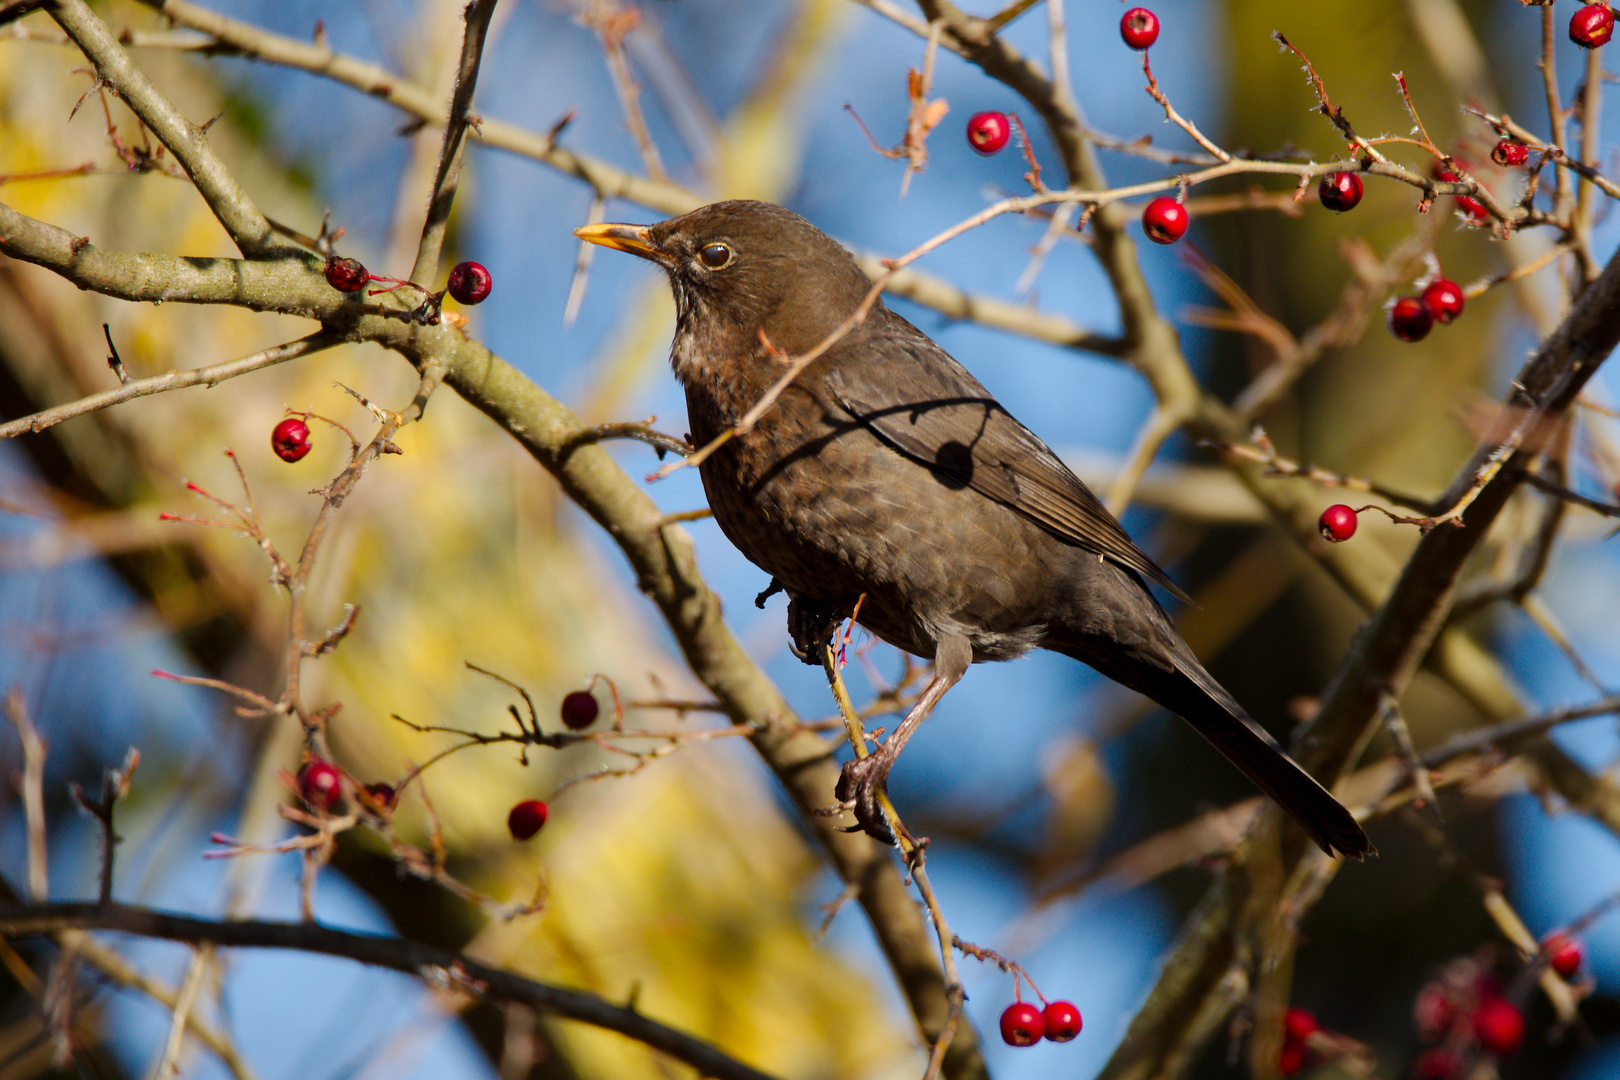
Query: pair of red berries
pixel 470 283
pixel 1298 1027
pixel 1412 317
pixel 320 784
pixel 987 132
pixel 1022 1024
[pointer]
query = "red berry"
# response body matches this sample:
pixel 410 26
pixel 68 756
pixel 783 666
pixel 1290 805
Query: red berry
pixel 526 818
pixel 987 132
pixel 1499 1026
pixel 1410 319
pixel 1510 152
pixel 1139 28
pixel 1433 1013
pixel 1470 206
pixel 320 784
pixel 1592 26
pixel 1164 220
pixel 1337 524
pixel 579 710
pixel 1292 1058
pixel 1444 299
pixel 1563 953
pixel 1340 191
pixel 290 439
pixel 1022 1024
pixel 1299 1024
pixel 383 794
pixel 1062 1021
pixel 470 283
pixel 346 275
pixel 1437 1064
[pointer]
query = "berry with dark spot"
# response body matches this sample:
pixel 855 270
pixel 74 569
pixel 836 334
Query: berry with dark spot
pixel 1062 1021
pixel 1139 28
pixel 346 275
pixel 470 283
pixel 1592 26
pixel 1164 220
pixel 1340 191
pixel 1337 524
pixel 1022 1024
pixel 1410 319
pixel 1510 152
pixel 987 132
pixel 290 439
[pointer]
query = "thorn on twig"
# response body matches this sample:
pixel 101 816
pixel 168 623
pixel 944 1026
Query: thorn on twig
pixel 114 361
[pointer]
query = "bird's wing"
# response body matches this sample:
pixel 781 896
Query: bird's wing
pixel 927 406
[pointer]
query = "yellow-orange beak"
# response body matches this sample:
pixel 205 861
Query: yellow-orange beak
pixel 631 238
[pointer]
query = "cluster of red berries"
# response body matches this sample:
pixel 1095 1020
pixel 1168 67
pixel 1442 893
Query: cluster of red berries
pixel 1298 1027
pixel 1592 25
pixel 320 784
pixel 1464 1006
pixel 1412 317
pixel 1022 1024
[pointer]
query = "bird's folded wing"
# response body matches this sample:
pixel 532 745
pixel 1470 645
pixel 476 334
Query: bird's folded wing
pixel 933 410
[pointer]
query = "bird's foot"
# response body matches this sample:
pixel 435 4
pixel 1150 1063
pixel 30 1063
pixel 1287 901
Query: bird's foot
pixel 810 627
pixel 859 790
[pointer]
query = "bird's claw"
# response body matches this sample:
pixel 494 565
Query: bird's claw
pixel 859 786
pixel 810 627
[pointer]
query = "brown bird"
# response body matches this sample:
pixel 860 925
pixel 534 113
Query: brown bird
pixel 886 474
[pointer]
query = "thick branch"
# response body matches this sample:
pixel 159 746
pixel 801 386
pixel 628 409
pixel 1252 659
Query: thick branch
pixel 456 970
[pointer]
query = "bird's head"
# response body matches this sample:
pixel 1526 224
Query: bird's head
pixel 740 268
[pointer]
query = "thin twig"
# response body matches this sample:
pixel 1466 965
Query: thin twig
pixel 175 380
pixel 33 791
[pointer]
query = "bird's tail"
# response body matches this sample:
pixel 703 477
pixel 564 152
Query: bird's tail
pixel 1189 691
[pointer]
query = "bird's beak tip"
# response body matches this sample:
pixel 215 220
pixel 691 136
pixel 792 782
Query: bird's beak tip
pixel 630 238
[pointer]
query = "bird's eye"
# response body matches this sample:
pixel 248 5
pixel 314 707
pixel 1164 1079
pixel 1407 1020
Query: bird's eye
pixel 715 256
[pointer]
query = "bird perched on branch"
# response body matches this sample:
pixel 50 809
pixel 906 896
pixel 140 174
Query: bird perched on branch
pixel 886 476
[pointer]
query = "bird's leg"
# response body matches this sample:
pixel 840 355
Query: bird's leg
pixel 863 779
